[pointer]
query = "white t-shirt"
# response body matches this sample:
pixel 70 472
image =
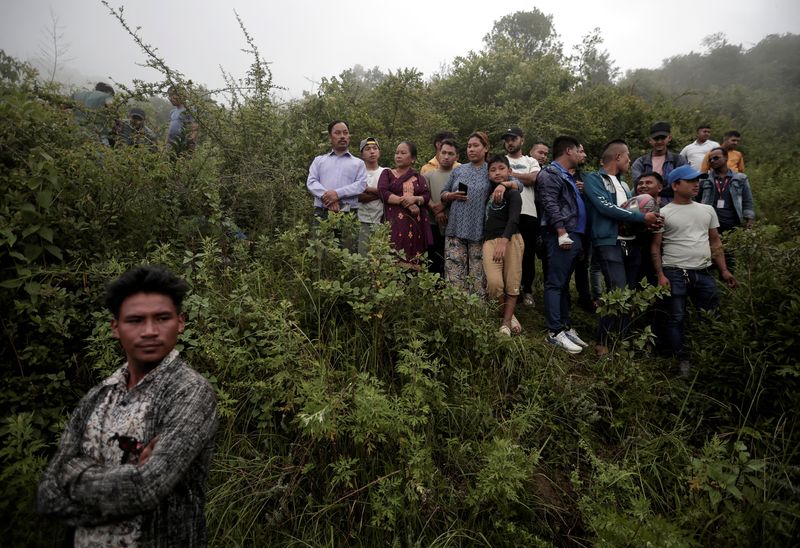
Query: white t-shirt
pixel 525 164
pixel 685 235
pixel 695 152
pixel 372 212
pixel 622 197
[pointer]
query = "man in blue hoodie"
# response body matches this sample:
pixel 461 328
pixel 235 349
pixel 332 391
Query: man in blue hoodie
pixel 605 195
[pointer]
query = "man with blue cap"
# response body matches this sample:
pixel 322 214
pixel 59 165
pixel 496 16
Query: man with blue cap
pixel 682 253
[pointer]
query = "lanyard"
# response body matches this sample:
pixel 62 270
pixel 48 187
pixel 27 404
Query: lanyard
pixel 721 188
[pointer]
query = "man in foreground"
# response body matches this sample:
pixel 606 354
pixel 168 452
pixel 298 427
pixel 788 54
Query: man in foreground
pixel 132 464
pixel 690 243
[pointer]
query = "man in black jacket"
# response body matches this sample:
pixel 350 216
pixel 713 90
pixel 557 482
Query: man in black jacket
pixel 564 217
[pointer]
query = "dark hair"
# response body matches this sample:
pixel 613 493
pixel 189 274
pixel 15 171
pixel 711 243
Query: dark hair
pixel 501 158
pixel 105 88
pixel 722 150
pixel 442 135
pixel 330 126
pixel 562 143
pixel 412 147
pixel 539 143
pixel 450 142
pixel 610 149
pixel 145 279
pixel 704 125
pixel 657 176
pixel 732 133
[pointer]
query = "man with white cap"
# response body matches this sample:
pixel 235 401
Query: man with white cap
pixel 370 206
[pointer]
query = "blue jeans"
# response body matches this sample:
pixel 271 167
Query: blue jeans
pixel 620 265
pixel 700 286
pixel 560 265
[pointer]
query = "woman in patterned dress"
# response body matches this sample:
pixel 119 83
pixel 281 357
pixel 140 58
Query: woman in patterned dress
pixel 467 192
pixel 405 194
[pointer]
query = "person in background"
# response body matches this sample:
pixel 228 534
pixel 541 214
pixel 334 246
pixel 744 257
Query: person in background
pixel 183 130
pixel 524 169
pixel 405 194
pixel 650 183
pixel 540 152
pixel 660 159
pixel 437 179
pixel 682 253
pixel 730 142
pixel 135 132
pixel 503 246
pixel 94 111
pixel 370 210
pixel 132 463
pixel 694 152
pixel 433 163
pixel 564 218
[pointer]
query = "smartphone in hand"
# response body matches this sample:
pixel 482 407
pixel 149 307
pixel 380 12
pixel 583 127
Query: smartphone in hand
pixel 463 188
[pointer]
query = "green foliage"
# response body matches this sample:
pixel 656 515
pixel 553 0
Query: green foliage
pixel 365 404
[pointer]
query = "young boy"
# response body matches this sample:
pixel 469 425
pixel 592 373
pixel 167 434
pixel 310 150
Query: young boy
pixel 503 246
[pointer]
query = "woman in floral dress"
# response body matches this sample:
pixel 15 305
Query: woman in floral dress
pixel 405 194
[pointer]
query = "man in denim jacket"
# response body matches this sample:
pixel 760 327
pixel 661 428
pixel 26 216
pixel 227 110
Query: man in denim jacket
pixel 727 192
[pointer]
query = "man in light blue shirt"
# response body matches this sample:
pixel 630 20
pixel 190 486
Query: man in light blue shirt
pixel 337 178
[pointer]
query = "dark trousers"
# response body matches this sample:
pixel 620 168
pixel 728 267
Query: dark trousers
pixel 582 271
pixel 529 229
pixel 560 265
pixel 697 285
pixel 620 265
pixel 436 251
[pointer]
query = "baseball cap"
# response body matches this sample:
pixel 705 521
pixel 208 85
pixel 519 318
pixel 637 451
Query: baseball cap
pixel 686 173
pixel 512 132
pixel 368 141
pixel 137 112
pixel 660 129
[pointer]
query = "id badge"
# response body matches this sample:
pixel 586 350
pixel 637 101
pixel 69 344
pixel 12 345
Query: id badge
pixel 720 204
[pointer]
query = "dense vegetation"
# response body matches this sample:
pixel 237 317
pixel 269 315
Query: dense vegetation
pixel 363 405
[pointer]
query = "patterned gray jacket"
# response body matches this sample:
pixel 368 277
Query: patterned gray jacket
pixel 167 491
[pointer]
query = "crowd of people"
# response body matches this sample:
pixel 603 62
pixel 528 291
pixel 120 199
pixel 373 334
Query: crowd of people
pixel 482 225
pixel 97 113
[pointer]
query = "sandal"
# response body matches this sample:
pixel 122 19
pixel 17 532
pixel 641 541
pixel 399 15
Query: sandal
pixel 505 330
pixel 516 327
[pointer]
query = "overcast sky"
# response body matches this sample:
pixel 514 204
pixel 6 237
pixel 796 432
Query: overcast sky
pixel 308 40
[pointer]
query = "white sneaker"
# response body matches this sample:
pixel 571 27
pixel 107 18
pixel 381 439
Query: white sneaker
pixel 527 299
pixel 561 339
pixel 573 336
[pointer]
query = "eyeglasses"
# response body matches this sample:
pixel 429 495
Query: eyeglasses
pixel 715 158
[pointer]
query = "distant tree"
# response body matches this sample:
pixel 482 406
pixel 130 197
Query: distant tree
pixel 531 33
pixel 591 65
pixel 53 50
